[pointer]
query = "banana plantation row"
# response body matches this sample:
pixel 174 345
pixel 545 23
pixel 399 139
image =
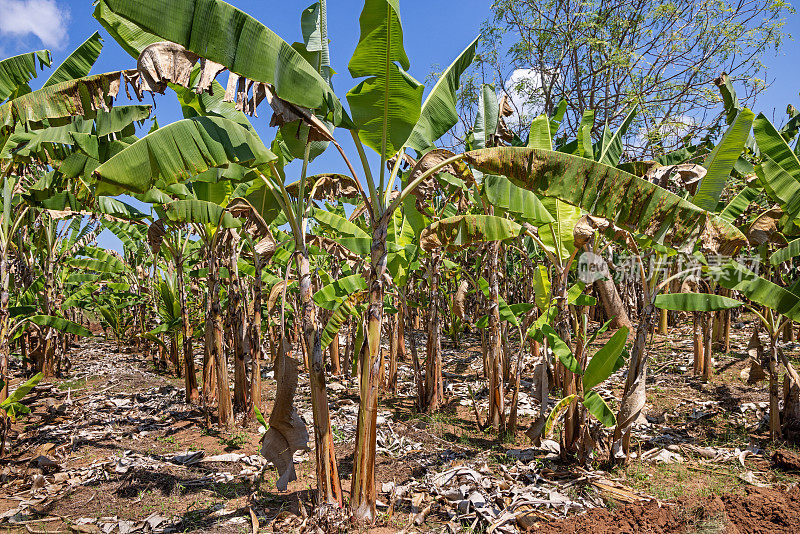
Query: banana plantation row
pixel 266 264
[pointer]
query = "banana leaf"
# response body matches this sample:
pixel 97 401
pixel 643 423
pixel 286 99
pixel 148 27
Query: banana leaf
pixel 700 302
pixel 387 104
pixel 603 362
pixel 60 324
pixel 181 150
pixel 438 114
pixel 464 230
pixel 603 191
pixel 17 71
pixel 226 35
pixel 79 63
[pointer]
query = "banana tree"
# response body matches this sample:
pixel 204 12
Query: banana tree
pixel 628 202
pixel 388 116
pixel 11 406
pixel 176 242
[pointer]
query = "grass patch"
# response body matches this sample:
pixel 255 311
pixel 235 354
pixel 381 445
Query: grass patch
pixel 679 480
pixel 79 383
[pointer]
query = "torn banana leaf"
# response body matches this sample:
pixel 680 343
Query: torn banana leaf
pixel 603 191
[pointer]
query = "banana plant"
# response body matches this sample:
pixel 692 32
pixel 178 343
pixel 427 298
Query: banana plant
pixel 629 203
pixel 11 406
pixel 599 368
pixel 388 115
pixel 176 242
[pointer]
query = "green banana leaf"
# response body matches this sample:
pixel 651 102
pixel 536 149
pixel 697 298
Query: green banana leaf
pixel 603 362
pixel 120 119
pixel 543 129
pixel 181 150
pixel 721 160
pixel 737 277
pixel 561 350
pixel 201 212
pixel 541 287
pixel 772 144
pixel 624 199
pixel 60 324
pixel 700 302
pixel 487 117
pixel 438 114
pixel 585 147
pixel 598 408
pixel 12 406
pixel 333 294
pixel 337 318
pixel 738 204
pixel 559 236
pixel 387 104
pixel 339 224
pixel 790 251
pixel 79 63
pixel 611 144
pixel 509 198
pixel 18 70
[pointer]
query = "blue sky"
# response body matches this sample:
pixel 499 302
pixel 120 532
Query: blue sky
pixel 435 32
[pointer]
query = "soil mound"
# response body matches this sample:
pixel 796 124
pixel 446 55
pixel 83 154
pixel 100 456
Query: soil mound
pixel 761 510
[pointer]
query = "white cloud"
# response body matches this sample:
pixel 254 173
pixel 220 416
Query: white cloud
pixel 43 18
pixel 522 85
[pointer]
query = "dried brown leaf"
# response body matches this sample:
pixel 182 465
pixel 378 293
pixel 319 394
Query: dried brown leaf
pixel 165 62
pixel 287 431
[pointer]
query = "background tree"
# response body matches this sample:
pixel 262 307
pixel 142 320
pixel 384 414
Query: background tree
pixel 607 56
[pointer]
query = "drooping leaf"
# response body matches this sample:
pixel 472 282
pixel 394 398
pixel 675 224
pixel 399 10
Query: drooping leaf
pixel 790 251
pixel 334 324
pixel 737 277
pixel 555 413
pixel 464 230
pixel 333 294
pixel 739 204
pixel 22 390
pixel 18 70
pixel 510 314
pixel 120 119
pixel 339 224
pixel 60 324
pixel 200 212
pixel 780 185
pixel 502 194
pixel 603 191
pixel 181 150
pixel 78 97
pixel 772 144
pixel 219 32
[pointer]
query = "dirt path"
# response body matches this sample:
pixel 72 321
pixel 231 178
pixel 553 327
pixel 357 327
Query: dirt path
pixel 113 448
